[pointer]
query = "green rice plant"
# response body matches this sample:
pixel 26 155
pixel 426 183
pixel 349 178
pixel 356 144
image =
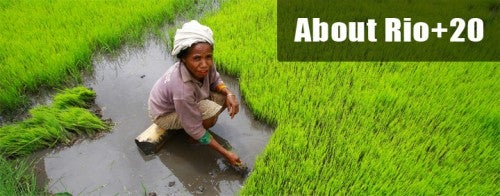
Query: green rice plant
pixel 76 97
pixel 16 178
pixel 50 125
pixel 361 127
pixel 343 127
pixel 47 44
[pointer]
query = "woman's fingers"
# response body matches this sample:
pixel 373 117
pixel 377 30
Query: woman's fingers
pixel 238 162
pixel 232 112
pixel 233 107
pixel 234 159
pixel 235 111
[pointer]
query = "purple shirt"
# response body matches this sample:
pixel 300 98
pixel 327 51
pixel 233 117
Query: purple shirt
pixel 177 91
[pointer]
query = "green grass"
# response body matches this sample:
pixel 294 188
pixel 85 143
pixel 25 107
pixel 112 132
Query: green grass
pixel 400 128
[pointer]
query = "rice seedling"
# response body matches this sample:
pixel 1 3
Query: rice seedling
pixel 46 127
pixel 361 127
pixel 49 125
pixel 342 127
pixel 17 178
pixel 74 97
pixel 47 44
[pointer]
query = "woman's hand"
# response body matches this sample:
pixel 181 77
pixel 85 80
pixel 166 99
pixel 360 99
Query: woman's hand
pixel 233 158
pixel 232 105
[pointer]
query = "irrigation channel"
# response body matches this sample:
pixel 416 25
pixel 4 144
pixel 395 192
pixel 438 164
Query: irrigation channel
pixel 113 164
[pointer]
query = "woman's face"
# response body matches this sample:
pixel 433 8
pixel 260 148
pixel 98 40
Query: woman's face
pixel 199 60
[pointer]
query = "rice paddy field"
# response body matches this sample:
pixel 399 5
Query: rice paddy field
pixel 369 128
pixel 46 45
pixel 401 128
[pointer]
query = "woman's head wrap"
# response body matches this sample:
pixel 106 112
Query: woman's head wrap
pixel 190 33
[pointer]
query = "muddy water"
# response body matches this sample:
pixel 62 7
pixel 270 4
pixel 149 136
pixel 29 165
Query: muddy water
pixel 112 164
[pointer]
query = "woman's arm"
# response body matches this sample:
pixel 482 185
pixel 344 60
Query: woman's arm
pixel 219 86
pixel 231 102
pixel 230 156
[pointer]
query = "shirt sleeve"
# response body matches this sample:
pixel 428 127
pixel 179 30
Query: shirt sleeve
pixel 190 117
pixel 215 78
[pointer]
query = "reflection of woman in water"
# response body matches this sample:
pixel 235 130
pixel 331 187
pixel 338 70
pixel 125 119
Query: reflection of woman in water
pixel 191 94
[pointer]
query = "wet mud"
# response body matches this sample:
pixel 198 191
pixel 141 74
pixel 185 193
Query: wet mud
pixel 113 164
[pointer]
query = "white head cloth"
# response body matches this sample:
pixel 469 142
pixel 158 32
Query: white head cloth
pixel 190 33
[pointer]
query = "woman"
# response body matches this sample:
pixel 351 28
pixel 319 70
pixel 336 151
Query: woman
pixel 191 94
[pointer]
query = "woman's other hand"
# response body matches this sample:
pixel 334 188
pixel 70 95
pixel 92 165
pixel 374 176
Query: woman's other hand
pixel 233 106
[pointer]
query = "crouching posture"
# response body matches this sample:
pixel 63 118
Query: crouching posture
pixel 191 94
